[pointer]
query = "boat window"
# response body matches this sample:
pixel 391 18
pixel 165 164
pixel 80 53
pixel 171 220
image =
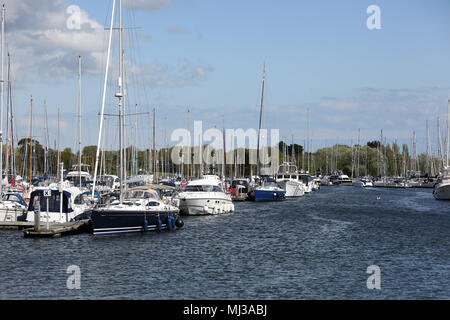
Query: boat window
pixel 148 195
pixel 194 188
pixel 153 204
pixel 12 197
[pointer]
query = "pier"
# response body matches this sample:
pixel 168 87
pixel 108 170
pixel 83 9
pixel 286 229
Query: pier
pixel 58 230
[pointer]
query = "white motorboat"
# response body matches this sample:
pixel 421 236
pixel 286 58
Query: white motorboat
pixel 289 180
pixel 12 207
pixel 205 197
pixel 441 189
pixel 57 211
pixel 363 182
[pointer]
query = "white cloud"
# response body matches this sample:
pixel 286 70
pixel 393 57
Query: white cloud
pixel 41 44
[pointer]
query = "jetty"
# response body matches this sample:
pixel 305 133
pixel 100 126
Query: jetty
pixel 15 225
pixel 58 229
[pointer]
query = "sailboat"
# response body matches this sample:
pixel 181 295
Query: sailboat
pixel 135 211
pixel 268 190
pixel 441 189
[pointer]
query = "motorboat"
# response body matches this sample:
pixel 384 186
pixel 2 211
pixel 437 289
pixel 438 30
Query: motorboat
pixel 363 182
pixel 12 207
pixel 205 197
pixel 47 201
pixel 239 189
pixel 289 180
pixel 269 190
pixel 441 189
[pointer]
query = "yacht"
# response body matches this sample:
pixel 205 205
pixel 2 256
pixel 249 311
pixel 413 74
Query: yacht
pixel 205 197
pixel 142 210
pixel 269 190
pixel 107 183
pixel 12 207
pixel 79 175
pixel 239 189
pixel 363 182
pixel 289 180
pixel 134 211
pixel 57 211
pixel 308 181
pixel 441 189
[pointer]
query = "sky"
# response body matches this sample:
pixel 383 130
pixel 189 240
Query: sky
pixel 208 56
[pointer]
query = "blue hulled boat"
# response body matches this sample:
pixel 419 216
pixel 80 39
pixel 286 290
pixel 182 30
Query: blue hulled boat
pixel 268 191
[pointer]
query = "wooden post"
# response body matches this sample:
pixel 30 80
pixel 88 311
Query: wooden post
pixel 37 216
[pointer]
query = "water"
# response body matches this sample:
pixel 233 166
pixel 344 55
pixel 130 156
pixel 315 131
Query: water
pixel 315 247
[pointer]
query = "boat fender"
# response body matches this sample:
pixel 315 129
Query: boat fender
pixel 169 223
pixel 179 223
pixel 145 225
pixel 159 224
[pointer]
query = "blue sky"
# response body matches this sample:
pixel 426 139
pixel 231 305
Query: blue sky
pixel 208 55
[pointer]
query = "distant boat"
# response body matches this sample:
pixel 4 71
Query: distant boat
pixel 79 175
pixel 205 197
pixel 269 190
pixel 363 182
pixel 289 179
pixel 239 189
pixel 442 188
pixel 12 207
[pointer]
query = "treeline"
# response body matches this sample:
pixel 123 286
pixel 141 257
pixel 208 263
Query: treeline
pixel 371 159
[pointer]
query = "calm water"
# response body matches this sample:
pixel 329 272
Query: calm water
pixel 316 247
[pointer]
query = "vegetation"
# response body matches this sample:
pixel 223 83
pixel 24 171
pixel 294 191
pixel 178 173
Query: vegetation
pixel 325 160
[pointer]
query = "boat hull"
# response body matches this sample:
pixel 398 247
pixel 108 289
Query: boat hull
pixel 205 206
pixel 269 195
pixel 111 222
pixel 293 189
pixel 442 192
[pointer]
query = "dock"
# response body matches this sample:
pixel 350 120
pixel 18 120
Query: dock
pixel 15 225
pixel 59 229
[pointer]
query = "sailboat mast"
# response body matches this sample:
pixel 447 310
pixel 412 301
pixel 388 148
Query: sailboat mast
pixel 155 169
pixel 46 138
pixel 120 96
pixel 447 134
pixel 8 130
pixel 58 173
pixel 1 106
pixel 79 119
pixel 260 122
pixel 103 99
pixel 31 138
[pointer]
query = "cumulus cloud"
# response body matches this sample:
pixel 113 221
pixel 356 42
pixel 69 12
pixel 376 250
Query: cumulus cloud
pixel 43 46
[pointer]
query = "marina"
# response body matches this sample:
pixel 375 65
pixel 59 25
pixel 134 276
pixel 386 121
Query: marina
pixel 227 175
